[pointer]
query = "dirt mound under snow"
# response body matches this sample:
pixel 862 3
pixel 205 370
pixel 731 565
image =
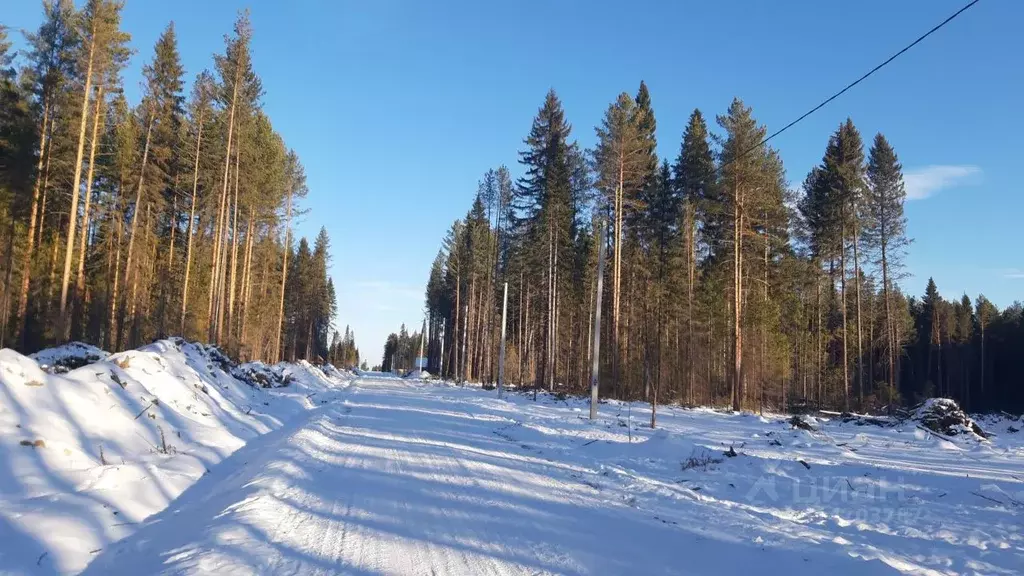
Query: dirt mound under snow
pixel 66 357
pixel 944 416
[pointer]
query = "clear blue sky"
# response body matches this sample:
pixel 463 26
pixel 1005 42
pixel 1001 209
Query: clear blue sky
pixel 397 108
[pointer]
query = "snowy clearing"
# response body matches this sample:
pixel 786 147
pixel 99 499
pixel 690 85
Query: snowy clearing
pixel 406 477
pixel 89 454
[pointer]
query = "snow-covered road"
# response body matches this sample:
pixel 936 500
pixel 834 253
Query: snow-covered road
pixel 409 478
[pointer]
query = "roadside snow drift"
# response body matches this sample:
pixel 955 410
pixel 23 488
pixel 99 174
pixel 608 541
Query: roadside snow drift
pixel 87 455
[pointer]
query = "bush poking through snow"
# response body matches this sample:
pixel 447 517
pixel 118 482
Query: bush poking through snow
pixel 944 416
pixel 164 448
pixel 700 459
pixel 803 422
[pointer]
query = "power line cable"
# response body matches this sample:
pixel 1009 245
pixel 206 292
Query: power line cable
pixel 851 84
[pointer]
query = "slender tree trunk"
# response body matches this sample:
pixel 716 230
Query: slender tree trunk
pixel 817 357
pixel 164 288
pixel 26 258
pixel 737 395
pixel 465 342
pixel 284 276
pixel 76 183
pixel 456 373
pixel 5 311
pixel 221 221
pixel 80 277
pixel 247 276
pixel 46 181
pixel 520 342
pixel 764 328
pixel 842 307
pixel 234 254
pixel 983 359
pixel 691 267
pixel 860 338
pixel 191 226
pixel 113 325
pixel 65 324
pixel 889 328
pixel 617 285
pixel 133 231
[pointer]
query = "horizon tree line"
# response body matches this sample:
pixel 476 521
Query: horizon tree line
pixel 723 286
pixel 123 222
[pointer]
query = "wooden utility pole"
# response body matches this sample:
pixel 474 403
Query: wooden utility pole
pixel 501 355
pixel 596 356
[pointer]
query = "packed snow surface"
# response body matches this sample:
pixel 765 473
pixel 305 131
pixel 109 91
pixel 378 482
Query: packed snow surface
pixel 407 477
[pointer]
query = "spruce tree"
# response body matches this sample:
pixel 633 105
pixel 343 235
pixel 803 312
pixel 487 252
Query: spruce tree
pixel 742 158
pixel 694 179
pixel 620 172
pixel 886 232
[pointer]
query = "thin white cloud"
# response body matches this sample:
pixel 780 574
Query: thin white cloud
pixel 1013 273
pixel 390 290
pixel 929 180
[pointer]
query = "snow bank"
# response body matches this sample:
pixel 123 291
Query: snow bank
pixel 93 451
pixel 68 357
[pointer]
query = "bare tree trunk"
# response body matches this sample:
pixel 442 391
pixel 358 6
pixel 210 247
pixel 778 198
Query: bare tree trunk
pixel 164 286
pixel 26 258
pixel 191 225
pixel 842 306
pixel 596 354
pixel 617 282
pixel 65 324
pixel 455 331
pixel 737 299
pixel 691 267
pixel 234 254
pixel 284 277
pixel 860 337
pixel 520 341
pixel 80 278
pixel 5 310
pixel 247 276
pixel 133 232
pixel 817 358
pixel 764 329
pixel 113 325
pixel 465 341
pixel 469 352
pixel 889 328
pixel 221 221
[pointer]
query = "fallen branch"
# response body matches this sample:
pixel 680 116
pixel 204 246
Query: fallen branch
pixel 151 404
pixel 1000 502
pixel 943 436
